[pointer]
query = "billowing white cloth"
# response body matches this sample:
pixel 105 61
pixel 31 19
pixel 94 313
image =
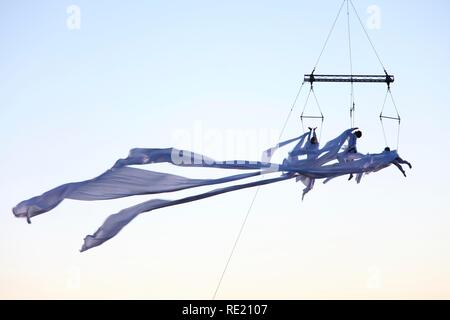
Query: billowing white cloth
pixel 123 181
pixel 115 222
pixel 116 183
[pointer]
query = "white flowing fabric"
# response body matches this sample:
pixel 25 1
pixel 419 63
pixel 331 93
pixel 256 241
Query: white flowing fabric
pixel 123 181
pixel 116 183
pixel 115 222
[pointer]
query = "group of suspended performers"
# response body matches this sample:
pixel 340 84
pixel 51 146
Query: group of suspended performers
pixel 306 162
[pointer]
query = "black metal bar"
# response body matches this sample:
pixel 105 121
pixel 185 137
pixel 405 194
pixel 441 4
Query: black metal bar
pixel 393 118
pixel 349 78
pixel 311 117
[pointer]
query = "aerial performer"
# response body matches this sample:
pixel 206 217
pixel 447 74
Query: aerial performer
pixel 122 180
pixel 398 162
pixel 351 152
pixel 311 150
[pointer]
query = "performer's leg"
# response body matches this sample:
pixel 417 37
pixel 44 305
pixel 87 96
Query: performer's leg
pixel 400 160
pixel 399 167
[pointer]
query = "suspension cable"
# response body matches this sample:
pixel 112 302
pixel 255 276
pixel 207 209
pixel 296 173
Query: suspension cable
pixel 384 103
pixel 352 110
pixel 398 117
pixel 321 115
pixel 395 105
pixel 290 111
pixel 241 229
pixel 367 35
pixel 352 97
pixel 329 35
pixel 304 107
pixel 317 103
pixel 381 118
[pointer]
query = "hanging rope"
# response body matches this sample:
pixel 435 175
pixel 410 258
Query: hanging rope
pixel 352 115
pixel 397 117
pixel 317 103
pixel 395 105
pixel 303 116
pixel 388 92
pixel 241 229
pixel 236 242
pixel 290 111
pixel 304 107
pixel 367 35
pixel 352 112
pixel 381 118
pixel 352 96
pixel 329 35
pixel 321 115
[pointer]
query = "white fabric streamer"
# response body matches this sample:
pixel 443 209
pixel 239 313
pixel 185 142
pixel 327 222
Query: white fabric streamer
pixel 123 181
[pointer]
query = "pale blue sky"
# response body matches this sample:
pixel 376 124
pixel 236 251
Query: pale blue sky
pixel 196 74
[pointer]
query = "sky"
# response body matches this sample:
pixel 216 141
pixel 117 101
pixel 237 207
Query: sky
pixel 83 82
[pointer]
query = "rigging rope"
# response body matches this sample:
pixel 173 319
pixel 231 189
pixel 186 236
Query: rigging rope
pixel 317 103
pixel 304 107
pixel 382 116
pixel 236 242
pixel 302 116
pixel 241 229
pixel 329 35
pixel 398 134
pixel 395 105
pixel 352 111
pixel 388 90
pixel 398 117
pixel 290 111
pixel 352 96
pixel 321 115
pixel 367 35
